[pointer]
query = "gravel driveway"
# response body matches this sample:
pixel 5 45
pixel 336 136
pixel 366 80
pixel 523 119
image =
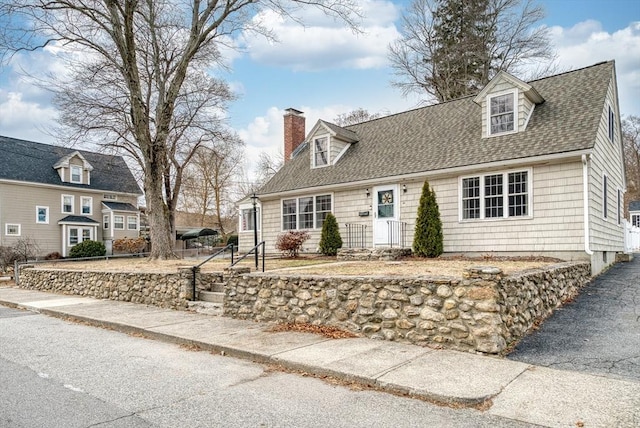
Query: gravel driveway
pixel 598 333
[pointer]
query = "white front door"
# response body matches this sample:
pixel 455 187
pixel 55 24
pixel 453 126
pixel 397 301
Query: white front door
pixel 385 209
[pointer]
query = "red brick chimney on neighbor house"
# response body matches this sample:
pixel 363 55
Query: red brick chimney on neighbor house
pixel 294 132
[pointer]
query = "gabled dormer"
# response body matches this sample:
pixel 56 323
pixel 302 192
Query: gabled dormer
pixel 328 143
pixel 507 105
pixel 74 168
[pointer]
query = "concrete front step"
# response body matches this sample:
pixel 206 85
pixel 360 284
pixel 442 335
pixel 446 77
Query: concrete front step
pixel 211 296
pixel 218 287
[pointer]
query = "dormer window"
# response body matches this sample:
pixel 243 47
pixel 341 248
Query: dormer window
pixel 76 174
pixel 321 151
pixel 502 115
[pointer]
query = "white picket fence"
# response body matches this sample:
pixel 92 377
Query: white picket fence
pixel 631 238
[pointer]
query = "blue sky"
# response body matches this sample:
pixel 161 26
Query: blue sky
pixel 325 70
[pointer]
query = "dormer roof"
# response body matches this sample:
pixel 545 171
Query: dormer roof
pixel 528 90
pixel 334 130
pixel 63 162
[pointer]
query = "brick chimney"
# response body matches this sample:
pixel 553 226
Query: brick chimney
pixel 294 132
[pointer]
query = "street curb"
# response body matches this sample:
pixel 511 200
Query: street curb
pixel 483 402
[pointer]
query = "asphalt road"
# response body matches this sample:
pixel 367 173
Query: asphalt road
pixel 59 374
pixel 597 333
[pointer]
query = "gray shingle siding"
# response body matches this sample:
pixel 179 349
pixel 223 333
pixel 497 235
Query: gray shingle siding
pixel 33 162
pixel 449 135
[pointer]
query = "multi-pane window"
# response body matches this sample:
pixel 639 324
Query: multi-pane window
pixel 42 215
pixel 471 197
pixel 246 219
pixel 518 194
pixel 118 222
pixel 86 203
pixel 11 229
pixel 321 151
pixel 73 236
pixel 635 220
pixel 493 200
pixel 502 114
pixel 304 213
pixel 105 221
pixel 289 214
pixel 76 174
pixel 67 204
pixel 86 234
pixel 132 222
pixel 486 196
pixel 323 207
pixel 305 208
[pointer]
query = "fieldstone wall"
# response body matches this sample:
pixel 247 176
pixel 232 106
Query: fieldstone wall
pixel 482 312
pixel 366 254
pixel 166 290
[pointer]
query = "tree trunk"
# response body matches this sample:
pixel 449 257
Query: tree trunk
pixel 159 217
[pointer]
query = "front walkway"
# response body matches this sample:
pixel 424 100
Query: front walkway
pixel 598 333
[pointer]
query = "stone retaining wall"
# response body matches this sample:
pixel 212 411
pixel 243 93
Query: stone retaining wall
pixel 484 311
pixel 166 290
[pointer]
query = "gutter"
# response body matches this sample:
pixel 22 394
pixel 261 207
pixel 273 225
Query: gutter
pixel 585 186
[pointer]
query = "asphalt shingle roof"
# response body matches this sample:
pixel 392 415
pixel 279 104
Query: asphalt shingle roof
pixel 119 206
pixel 449 135
pixel 77 219
pixel 33 162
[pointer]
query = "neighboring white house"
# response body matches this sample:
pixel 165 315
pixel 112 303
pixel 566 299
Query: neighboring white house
pixel 58 197
pixel 519 169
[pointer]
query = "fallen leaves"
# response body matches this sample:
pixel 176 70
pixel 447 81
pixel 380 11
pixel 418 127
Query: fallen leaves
pixel 324 330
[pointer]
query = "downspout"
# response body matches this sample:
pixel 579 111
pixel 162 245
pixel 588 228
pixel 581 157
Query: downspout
pixel 585 185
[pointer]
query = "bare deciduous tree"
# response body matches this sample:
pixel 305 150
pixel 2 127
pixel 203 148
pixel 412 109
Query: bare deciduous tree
pixel 631 148
pixel 445 56
pixel 209 182
pixel 137 78
pixel 355 116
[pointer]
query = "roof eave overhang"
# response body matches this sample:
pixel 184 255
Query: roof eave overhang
pixel 458 170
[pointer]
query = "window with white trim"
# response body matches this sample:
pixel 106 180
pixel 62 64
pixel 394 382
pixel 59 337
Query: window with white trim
pixel 502 114
pixel 246 219
pixel 118 222
pixel 605 208
pixel 42 215
pixel 486 196
pixel 86 205
pixel 67 204
pixel 612 123
pixel 635 220
pixel 12 229
pixel 76 174
pixel 321 151
pixel 305 212
pixel 132 222
pixel 105 221
pixel 73 236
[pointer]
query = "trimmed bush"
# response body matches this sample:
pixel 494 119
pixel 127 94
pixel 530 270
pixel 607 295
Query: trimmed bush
pixel 330 239
pixel 427 240
pixel 88 249
pixel 129 245
pixel 290 243
pixel 53 256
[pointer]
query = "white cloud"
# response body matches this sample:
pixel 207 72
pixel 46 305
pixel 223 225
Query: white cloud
pixel 586 43
pixel 23 119
pixel 324 43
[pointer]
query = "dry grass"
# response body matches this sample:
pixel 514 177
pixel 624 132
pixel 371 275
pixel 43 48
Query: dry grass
pixel 314 265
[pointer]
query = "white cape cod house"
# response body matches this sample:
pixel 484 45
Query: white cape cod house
pixel 522 168
pixel 58 197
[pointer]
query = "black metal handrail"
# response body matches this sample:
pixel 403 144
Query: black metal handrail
pixel 356 235
pixel 194 269
pixel 252 251
pixel 397 231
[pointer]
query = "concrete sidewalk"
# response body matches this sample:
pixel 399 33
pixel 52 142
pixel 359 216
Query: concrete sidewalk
pixel 504 388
